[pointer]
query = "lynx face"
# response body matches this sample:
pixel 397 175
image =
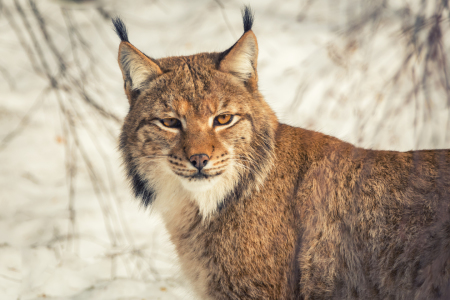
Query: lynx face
pixel 197 126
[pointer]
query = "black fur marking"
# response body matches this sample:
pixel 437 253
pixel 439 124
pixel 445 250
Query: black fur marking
pixel 140 187
pixel 248 17
pixel 138 184
pixel 120 29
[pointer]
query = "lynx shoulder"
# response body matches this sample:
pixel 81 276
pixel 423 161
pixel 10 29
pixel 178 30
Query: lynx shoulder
pixel 262 210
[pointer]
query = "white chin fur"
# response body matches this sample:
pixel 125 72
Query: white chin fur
pixel 199 185
pixel 207 194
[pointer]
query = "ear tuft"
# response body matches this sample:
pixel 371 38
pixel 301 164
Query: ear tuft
pixel 240 60
pixel 137 68
pixel 248 17
pixel 120 29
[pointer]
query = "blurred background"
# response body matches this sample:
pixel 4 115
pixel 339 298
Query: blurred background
pixel 373 73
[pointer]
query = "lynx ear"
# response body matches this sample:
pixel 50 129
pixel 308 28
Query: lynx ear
pixel 136 67
pixel 241 59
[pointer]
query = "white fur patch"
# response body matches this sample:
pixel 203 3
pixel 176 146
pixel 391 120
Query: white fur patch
pixel 173 191
pixel 208 194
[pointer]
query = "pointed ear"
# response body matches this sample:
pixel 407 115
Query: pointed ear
pixel 136 68
pixel 241 59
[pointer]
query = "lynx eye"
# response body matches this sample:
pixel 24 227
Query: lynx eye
pixel 171 122
pixel 223 120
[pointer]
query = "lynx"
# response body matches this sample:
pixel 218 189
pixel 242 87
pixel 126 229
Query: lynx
pixel 257 209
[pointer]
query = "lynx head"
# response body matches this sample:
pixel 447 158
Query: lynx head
pixel 197 125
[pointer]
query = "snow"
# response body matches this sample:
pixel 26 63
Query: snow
pixel 311 71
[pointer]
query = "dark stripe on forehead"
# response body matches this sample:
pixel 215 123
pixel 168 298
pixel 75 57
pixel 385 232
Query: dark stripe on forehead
pixel 193 76
pixel 188 64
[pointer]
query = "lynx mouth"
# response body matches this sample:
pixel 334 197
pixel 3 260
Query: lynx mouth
pixel 200 175
pixel 200 182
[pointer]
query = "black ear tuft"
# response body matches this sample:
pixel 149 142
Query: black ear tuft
pixel 120 29
pixel 248 17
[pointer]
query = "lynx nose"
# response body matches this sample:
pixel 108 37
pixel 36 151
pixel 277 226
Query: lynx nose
pixel 199 161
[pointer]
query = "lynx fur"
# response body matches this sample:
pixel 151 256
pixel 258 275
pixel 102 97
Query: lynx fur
pixel 261 210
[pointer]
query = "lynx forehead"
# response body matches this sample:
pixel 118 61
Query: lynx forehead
pixel 262 210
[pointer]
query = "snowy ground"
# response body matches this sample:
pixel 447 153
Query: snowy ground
pixel 69 227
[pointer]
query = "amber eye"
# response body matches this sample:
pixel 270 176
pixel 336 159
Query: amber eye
pixel 171 122
pixel 223 119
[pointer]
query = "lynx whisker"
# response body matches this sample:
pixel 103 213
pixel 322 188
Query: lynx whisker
pixel 215 168
pixel 155 156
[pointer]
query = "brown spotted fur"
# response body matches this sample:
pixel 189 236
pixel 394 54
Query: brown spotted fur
pixel 308 217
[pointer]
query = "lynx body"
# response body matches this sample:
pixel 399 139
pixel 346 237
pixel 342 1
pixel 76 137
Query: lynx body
pixel 262 210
